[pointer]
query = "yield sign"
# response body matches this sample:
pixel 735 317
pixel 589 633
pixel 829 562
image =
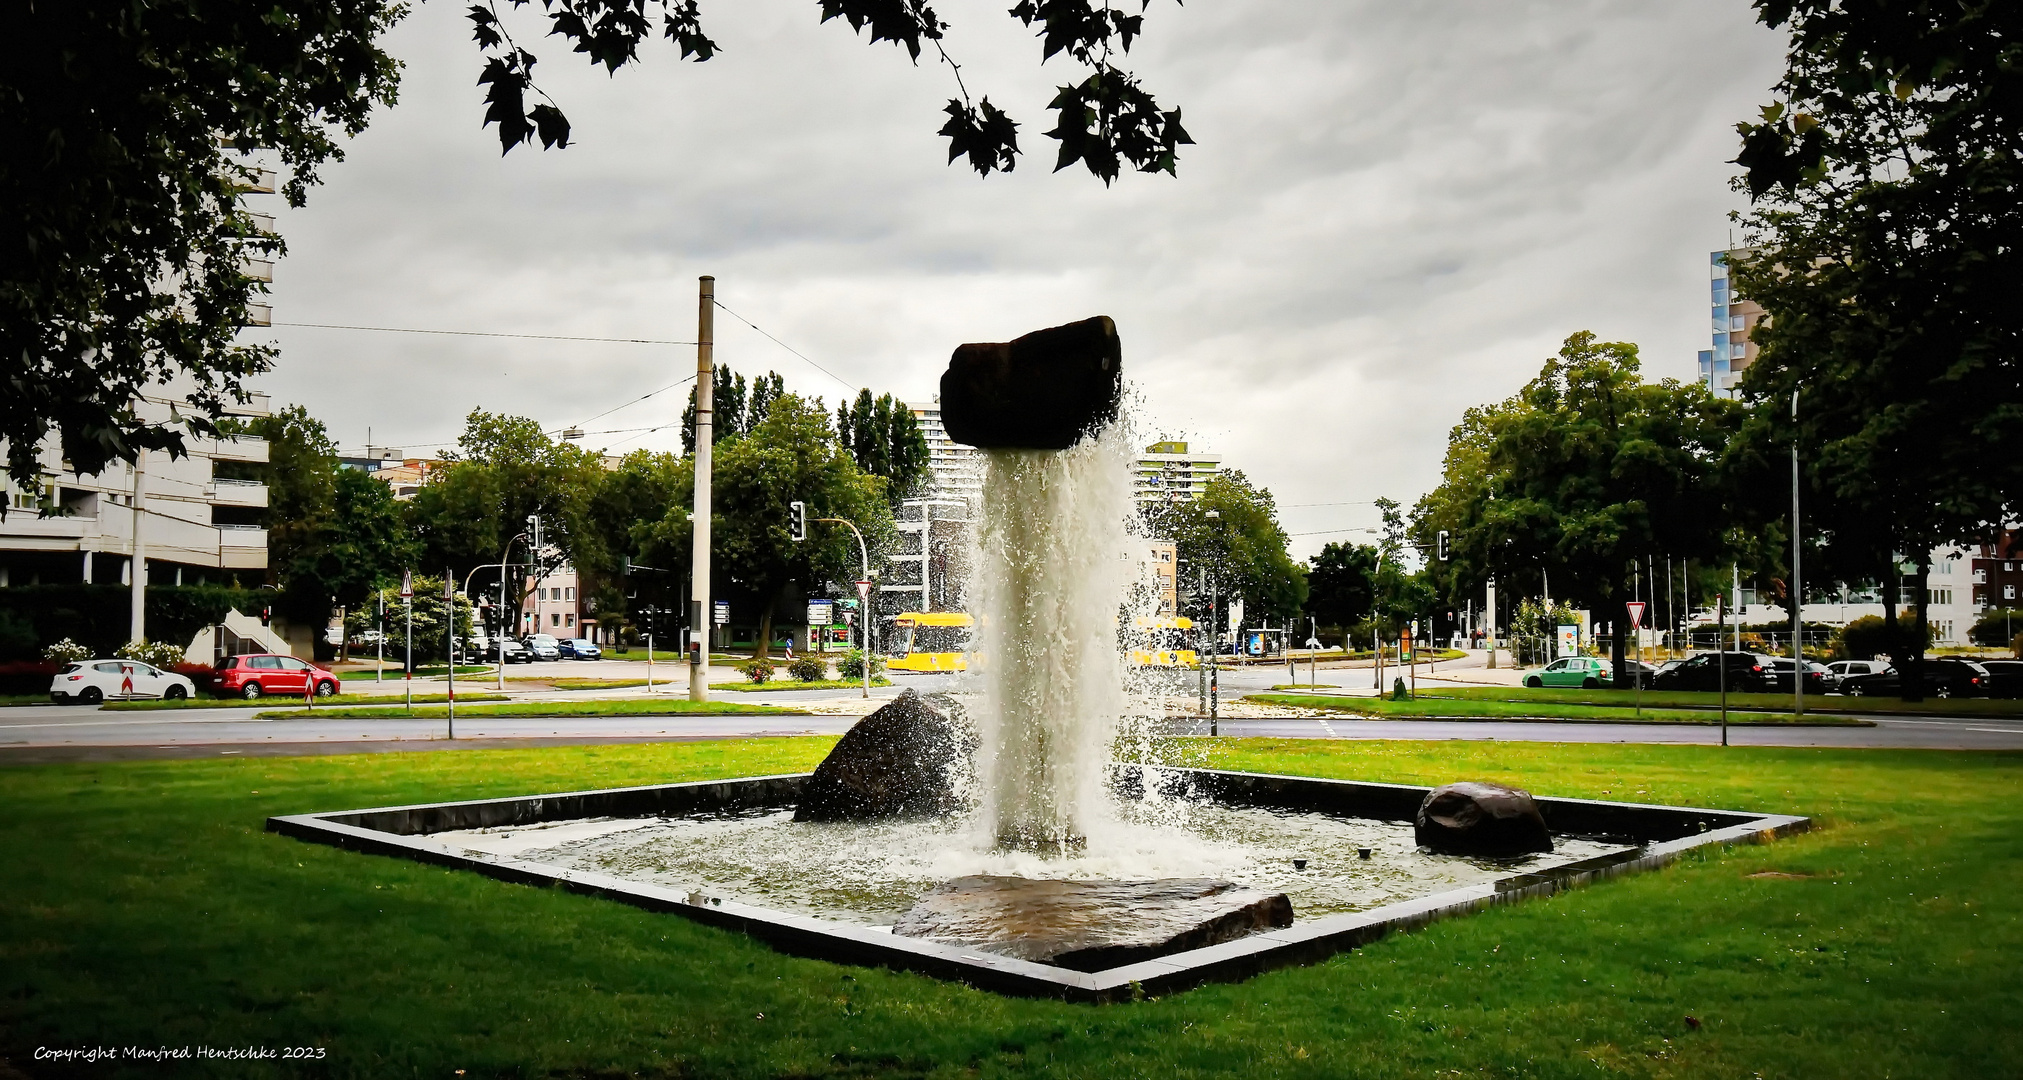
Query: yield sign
pixel 864 590
pixel 1636 614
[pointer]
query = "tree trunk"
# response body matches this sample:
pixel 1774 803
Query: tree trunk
pixel 765 646
pixel 1893 592
pixel 1913 680
pixel 1618 651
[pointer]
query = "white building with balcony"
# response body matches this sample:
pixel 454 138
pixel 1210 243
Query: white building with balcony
pixel 197 526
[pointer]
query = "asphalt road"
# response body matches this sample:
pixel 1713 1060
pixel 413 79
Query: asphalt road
pixel 41 733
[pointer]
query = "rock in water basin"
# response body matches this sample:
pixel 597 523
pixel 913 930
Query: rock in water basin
pixel 1090 925
pixel 900 761
pixel 1043 391
pixel 1481 819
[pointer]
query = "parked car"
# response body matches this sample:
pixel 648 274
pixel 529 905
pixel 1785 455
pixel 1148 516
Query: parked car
pixel 1844 669
pixel 543 646
pixel 515 653
pixel 1945 677
pixel 1636 672
pixel 1818 679
pixel 253 675
pixel 1746 673
pixel 578 649
pixel 88 682
pixel 2007 676
pixel 1586 672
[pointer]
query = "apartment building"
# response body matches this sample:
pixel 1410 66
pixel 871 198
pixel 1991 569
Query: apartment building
pixel 555 606
pixel 957 470
pixel 1996 573
pixel 1732 317
pixel 1168 471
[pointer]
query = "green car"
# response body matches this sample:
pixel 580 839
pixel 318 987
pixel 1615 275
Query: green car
pixel 1586 672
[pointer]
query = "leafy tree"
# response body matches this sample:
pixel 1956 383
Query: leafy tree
pixel 735 407
pixel 506 468
pixel 1102 121
pixel 1341 584
pixel 1889 255
pixel 641 510
pixel 431 618
pixel 364 545
pixel 301 479
pixel 791 455
pixel 1578 476
pixel 121 131
pixel 885 439
pixel 1242 550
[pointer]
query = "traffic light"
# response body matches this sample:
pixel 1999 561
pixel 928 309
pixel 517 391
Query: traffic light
pixel 267 615
pixel 1442 545
pixel 625 566
pixel 797 519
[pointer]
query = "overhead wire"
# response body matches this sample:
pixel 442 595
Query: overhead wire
pixel 489 333
pixel 804 357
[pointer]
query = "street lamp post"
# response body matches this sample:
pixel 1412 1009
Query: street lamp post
pixel 1797 590
pixel 1214 648
pixel 863 595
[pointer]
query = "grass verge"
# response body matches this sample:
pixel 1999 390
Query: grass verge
pixel 1424 707
pixel 1700 699
pixel 271 699
pixel 148 908
pixel 627 707
pixel 791 684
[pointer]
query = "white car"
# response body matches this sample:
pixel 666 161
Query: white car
pixel 89 682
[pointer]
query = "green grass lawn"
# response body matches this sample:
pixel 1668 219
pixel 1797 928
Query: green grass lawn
pixel 1448 708
pixel 240 703
pixel 1700 699
pixel 795 684
pixel 146 906
pixel 628 707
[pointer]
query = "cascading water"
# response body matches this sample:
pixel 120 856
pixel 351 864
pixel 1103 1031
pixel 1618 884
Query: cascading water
pixel 1054 571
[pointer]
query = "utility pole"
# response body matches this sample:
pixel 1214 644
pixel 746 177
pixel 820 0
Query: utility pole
pixel 137 567
pixel 450 636
pixel 379 656
pixel 1797 591
pixel 1214 648
pixel 1489 622
pixel 1721 654
pixel 705 431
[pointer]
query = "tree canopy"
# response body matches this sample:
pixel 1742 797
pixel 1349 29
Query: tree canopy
pixel 1105 120
pixel 1578 476
pixel 885 439
pixel 122 127
pixel 1242 550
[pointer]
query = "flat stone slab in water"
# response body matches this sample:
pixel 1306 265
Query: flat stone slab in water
pixel 1091 925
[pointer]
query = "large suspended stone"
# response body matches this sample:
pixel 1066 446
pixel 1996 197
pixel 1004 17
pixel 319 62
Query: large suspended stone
pixel 1090 925
pixel 1473 818
pixel 1043 391
pixel 901 761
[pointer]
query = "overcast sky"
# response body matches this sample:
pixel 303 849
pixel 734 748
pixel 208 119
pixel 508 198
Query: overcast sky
pixel 1395 211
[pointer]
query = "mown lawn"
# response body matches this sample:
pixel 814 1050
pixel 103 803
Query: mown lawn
pixel 145 906
pixel 796 684
pixel 1426 706
pixel 668 706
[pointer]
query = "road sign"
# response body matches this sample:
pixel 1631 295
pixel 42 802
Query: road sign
pixel 1636 614
pixel 821 612
pixel 406 584
pixel 722 613
pixel 864 590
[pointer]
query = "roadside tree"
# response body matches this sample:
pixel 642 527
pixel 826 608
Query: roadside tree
pixel 1242 550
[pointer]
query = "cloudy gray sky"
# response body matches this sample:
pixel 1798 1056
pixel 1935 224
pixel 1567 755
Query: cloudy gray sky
pixel 1395 211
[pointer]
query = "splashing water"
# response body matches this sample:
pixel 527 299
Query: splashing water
pixel 1054 569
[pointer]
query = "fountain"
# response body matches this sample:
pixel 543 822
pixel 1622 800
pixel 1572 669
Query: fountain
pixel 1007 848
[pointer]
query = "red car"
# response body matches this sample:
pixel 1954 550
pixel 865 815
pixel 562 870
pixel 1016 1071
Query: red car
pixel 252 675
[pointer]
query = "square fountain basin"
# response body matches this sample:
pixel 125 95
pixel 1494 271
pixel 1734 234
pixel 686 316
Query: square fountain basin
pixel 1636 836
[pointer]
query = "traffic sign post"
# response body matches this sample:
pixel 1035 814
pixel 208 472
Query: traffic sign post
pixel 1636 608
pixel 450 618
pixel 407 667
pixel 864 605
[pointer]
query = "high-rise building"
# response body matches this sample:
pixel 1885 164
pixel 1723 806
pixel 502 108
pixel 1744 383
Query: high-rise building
pixel 1732 317
pixel 1167 471
pixel 957 470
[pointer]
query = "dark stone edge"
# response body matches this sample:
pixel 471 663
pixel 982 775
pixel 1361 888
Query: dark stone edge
pixel 1665 833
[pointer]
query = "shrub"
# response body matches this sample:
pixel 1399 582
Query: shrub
pixel 759 671
pixel 66 652
pixel 1990 628
pixel 27 676
pixel 1868 637
pixel 808 668
pixel 851 666
pixel 161 654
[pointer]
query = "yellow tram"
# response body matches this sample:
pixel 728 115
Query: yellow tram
pixel 930 641
pixel 1165 642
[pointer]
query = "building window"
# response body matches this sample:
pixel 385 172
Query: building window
pixel 1938 597
pixel 554 618
pixel 572 593
pixel 2008 592
pixel 568 620
pixel 1980 577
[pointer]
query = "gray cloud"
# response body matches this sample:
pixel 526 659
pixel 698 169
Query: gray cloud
pixel 1394 211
